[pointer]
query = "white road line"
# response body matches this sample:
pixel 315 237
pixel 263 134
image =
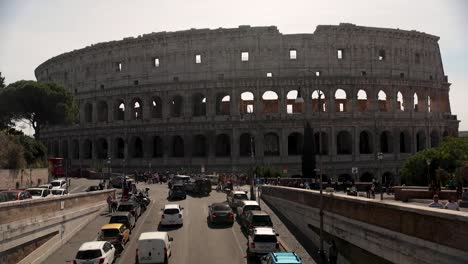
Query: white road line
pixel 237 240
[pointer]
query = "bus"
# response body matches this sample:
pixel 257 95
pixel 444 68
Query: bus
pixel 56 167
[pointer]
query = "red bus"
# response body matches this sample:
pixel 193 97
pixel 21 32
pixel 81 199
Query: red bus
pixel 56 167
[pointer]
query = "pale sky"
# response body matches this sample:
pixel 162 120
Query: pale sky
pixel 33 31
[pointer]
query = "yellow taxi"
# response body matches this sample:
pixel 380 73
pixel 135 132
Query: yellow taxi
pixel 113 232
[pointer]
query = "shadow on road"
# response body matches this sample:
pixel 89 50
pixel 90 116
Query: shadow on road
pixel 168 228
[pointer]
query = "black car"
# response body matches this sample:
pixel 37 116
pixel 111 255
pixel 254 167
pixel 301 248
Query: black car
pixel 177 192
pixel 256 218
pixel 220 213
pixel 93 188
pixel 130 206
pixel 202 186
pixel 125 218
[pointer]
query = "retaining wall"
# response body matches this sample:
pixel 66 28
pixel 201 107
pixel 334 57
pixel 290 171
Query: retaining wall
pixel 25 178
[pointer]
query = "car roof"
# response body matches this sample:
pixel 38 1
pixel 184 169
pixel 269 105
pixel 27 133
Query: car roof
pixel 219 204
pixel 13 190
pixel 152 235
pixel 58 180
pixel 239 192
pixel 169 206
pixel 248 202
pixel 120 213
pixel 111 226
pixel 258 212
pixel 264 231
pixel 35 188
pixel 286 257
pixel 92 245
pixel 59 189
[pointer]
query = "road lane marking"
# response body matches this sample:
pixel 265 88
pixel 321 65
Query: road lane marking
pixel 237 240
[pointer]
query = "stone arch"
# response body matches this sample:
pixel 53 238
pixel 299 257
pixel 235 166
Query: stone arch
pixel 223 145
pixel 199 104
pixel 295 144
pixel 65 149
pixel 366 177
pixel 344 177
pixel 158 147
pixel 136 147
pixel 75 149
pixel 102 148
pixel 246 104
pixel 420 140
pixel 388 178
pixel 445 134
pixel 223 104
pixel 88 109
pixel 344 143
pixel 321 148
pixel 435 139
pixel 87 149
pixel 119 110
pixel 56 148
pixel 270 102
pixel 341 101
pixel 178 148
pixel 271 144
pixel 365 142
pixel 386 142
pixel 200 148
pixel 382 101
pixel 319 103
pixel 400 102
pixel 176 106
pixel 415 102
pixel 246 145
pixel 362 102
pixel 405 142
pixel 119 148
pixel 293 107
pixel 137 109
pixel 102 111
pixel 156 107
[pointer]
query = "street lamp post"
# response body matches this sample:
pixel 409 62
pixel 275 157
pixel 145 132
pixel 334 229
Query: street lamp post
pixel 252 183
pixel 380 157
pixel 428 162
pixel 108 168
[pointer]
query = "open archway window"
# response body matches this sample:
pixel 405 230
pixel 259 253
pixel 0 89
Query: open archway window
pixel 178 149
pixel 119 111
pixel 271 144
pixel 102 148
pixel 247 103
pixel 420 141
pixel 405 142
pixel 200 148
pixel 156 107
pixel 75 149
pixel 386 142
pixel 270 102
pixel 176 106
pixel 137 113
pixel 382 99
pixel 362 102
pixel 87 149
pixel 416 102
pixel 295 143
pixel 246 145
pixel 341 101
pixel 292 106
pixel 435 139
pixel 321 143
pixel 344 143
pixel 88 112
pixel 365 142
pixel 158 147
pixel 223 145
pixel 103 111
pixel 119 149
pixel 223 104
pixel 400 105
pixel 136 150
pixel 199 104
pixel 319 101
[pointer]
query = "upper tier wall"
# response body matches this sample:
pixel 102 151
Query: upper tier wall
pixel 373 52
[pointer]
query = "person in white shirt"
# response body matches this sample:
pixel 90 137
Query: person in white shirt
pixel 452 205
pixel 436 203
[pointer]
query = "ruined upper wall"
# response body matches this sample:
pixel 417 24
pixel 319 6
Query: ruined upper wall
pixel 366 51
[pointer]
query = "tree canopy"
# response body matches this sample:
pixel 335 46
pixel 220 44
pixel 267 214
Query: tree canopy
pixel 39 103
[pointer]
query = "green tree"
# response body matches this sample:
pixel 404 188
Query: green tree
pixel 308 153
pixel 11 152
pixel 2 81
pixel 39 103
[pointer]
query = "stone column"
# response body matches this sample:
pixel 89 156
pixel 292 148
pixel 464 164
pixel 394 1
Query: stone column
pixel 283 144
pixel 146 108
pixel 234 102
pixel 282 102
pixel 234 144
pixel 95 110
pixel 210 103
pixel 110 111
pixel 110 149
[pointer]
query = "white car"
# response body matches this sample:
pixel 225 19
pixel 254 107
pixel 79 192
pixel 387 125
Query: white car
pixel 37 193
pixel 172 214
pixel 261 241
pixel 45 186
pixel 59 184
pixel 154 247
pixel 59 192
pixel 99 252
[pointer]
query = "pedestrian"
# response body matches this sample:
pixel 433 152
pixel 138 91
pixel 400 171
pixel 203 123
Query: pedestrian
pixel 452 205
pixel 372 190
pixel 436 203
pixel 333 253
pixel 459 190
pixel 114 205
pixel 109 203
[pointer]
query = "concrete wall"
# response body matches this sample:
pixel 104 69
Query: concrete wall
pixel 399 234
pixel 24 177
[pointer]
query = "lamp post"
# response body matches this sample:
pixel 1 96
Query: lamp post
pixel 428 162
pixel 252 184
pixel 380 157
pixel 108 168
pixel 321 251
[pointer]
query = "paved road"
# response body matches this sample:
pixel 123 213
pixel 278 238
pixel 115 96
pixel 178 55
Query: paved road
pixel 80 184
pixel 195 242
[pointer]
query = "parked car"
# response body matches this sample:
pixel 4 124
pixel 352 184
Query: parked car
pixel 59 192
pixel 281 258
pixel 234 198
pixel 153 247
pixel 177 191
pixel 93 188
pixel 14 195
pixel 117 234
pixel 172 214
pixel 37 193
pixel 220 213
pixel 261 241
pixel 178 179
pixel 59 184
pixel 256 218
pixel 245 207
pixel 46 186
pixel 95 252
pixel 125 218
pixel 130 206
pixel 189 185
pixel 202 186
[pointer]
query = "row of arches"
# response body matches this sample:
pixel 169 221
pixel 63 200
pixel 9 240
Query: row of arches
pixel 270 103
pixel 198 145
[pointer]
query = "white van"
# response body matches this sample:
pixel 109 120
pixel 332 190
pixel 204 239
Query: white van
pixel 153 247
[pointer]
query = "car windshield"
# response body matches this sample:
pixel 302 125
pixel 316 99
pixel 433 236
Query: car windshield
pixel 125 207
pixel 35 192
pixel 88 254
pixel 55 183
pixel 178 188
pixel 265 238
pixel 7 196
pixel 110 232
pixel 262 220
pixel 171 211
pixel 251 207
pixel 221 207
pixel 118 219
pixel 242 196
pixel 56 192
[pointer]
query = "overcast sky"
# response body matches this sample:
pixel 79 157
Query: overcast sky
pixel 33 31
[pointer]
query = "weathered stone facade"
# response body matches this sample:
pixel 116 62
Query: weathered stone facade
pixel 187 99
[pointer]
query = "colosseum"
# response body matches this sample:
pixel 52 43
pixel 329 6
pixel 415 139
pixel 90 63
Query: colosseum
pixel 223 100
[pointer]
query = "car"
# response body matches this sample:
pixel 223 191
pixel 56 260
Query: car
pixel 14 195
pixel 177 191
pixel 38 193
pixel 125 218
pixel 261 241
pixel 46 186
pixel 178 179
pixel 234 198
pixel 189 186
pixel 153 247
pixel 172 214
pixel 93 188
pixel 220 213
pixel 59 184
pixel 59 191
pixel 95 252
pixel 130 206
pixel 281 258
pixel 255 218
pixel 117 234
pixel 202 186
pixel 245 207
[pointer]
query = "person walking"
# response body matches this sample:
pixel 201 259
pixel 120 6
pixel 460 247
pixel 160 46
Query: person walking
pixel 109 203
pixel 435 203
pixel 333 253
pixel 452 205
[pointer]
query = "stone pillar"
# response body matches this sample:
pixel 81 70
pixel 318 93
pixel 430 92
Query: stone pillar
pixel 234 102
pixel 146 108
pixel 234 144
pixel 355 135
pixel 307 105
pixel 282 102
pixel 147 145
pixel 210 103
pixel 128 113
pixel 95 114
pixel 110 111
pixel 283 144
pixel 187 105
pixel 110 145
pixel 259 141
pixel 258 109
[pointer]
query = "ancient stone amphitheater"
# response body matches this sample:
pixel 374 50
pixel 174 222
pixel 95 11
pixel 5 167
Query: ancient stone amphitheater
pixel 222 100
